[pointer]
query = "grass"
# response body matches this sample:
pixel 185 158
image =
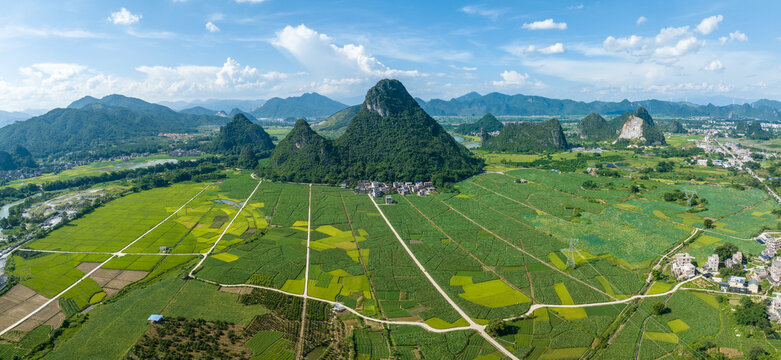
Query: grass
pixel 113 328
pixel 493 293
pixel 199 300
pixel 660 336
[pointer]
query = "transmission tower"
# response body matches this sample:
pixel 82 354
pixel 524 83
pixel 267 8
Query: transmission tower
pixel 690 194
pixel 570 252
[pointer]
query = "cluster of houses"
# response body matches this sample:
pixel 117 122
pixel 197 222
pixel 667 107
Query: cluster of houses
pixel 378 189
pixel 183 153
pixel 683 268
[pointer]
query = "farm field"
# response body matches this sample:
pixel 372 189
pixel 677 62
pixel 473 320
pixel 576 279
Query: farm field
pixel 495 247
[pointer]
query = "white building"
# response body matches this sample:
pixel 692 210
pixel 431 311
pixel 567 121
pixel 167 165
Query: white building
pixel 682 266
pixel 775 270
pixel 772 245
pixel 713 263
pixel 737 259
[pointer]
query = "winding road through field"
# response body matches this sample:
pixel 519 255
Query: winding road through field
pixel 117 254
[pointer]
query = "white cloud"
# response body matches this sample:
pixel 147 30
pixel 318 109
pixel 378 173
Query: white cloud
pixel 56 84
pixel 318 53
pixel 46 32
pixel 641 20
pixel 547 24
pixel 575 7
pixel 211 27
pixel 671 34
pixel 556 48
pixel 709 24
pixel 511 78
pixel 737 35
pixel 123 17
pixel 482 11
pixel 250 1
pixel 464 68
pixel 160 35
pixel 621 44
pixel 714 65
pixel 682 47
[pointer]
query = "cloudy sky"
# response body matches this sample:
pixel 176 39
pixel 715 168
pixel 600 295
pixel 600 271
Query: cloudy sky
pixel 57 52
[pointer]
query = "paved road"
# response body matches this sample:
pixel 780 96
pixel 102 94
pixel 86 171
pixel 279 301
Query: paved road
pixel 659 264
pixel 206 254
pixel 119 253
pixel 472 325
pixel 616 302
pixel 300 344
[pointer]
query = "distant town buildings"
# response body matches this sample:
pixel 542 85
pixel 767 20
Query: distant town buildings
pixel 682 266
pixel 775 270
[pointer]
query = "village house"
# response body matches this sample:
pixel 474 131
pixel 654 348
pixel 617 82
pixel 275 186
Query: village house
pixel 712 265
pixel 775 270
pixel 774 308
pixel 682 266
pixel 772 245
pixel 736 259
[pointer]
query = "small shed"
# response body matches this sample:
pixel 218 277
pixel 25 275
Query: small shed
pixel 164 249
pixel 155 318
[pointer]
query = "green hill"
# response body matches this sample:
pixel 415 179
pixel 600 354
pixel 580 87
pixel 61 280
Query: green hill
pixel 239 134
pixel 337 122
pixel 526 137
pixel 390 139
pixel 99 126
pixel 310 105
pixel 393 139
pixel 304 156
pixel 487 122
pixel 595 127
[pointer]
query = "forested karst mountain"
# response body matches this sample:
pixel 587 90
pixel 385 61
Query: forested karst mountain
pixel 17 159
pixel 304 156
pixel 309 105
pixel 546 136
pixel 92 124
pixel 474 104
pixel 390 139
pixel 487 122
pixel 240 134
pixel 595 127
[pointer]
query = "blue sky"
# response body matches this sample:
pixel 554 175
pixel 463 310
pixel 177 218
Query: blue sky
pixel 56 52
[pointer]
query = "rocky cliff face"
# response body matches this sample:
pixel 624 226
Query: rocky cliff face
pixel 640 127
pixel 632 129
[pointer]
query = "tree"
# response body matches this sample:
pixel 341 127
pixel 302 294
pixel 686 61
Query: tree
pixel 496 328
pixel 634 189
pixel 660 308
pixel 589 185
pixel 752 313
pixel 756 353
pixel 656 274
pixel 725 251
pixel 708 223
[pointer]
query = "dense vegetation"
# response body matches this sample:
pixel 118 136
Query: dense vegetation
pixel 752 130
pixel 98 125
pixel 595 127
pixel 338 122
pixel 474 104
pixel 304 156
pixel 390 139
pixel 528 137
pixel 309 105
pixel 242 137
pixel 18 159
pixel 488 122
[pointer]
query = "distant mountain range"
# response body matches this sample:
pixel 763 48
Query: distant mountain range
pixel 94 124
pixel 309 105
pixel 214 104
pixel 474 104
pixel 10 117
